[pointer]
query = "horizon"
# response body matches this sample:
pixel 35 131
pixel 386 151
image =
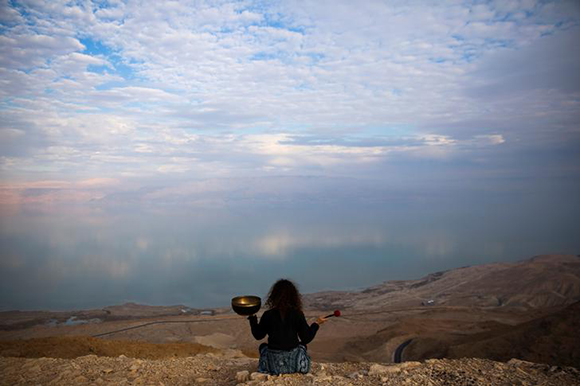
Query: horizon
pixel 228 305
pixel 186 152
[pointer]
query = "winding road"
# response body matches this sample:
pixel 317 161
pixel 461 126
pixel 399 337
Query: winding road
pixel 399 350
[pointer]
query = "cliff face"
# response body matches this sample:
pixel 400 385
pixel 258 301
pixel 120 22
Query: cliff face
pixel 233 369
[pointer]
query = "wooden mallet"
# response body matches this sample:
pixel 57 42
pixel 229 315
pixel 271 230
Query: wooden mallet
pixel 335 313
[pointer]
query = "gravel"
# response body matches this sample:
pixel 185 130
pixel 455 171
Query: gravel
pixel 233 368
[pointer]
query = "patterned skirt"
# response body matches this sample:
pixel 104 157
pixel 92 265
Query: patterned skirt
pixel 277 362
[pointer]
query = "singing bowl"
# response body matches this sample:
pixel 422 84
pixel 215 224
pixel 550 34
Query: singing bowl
pixel 246 305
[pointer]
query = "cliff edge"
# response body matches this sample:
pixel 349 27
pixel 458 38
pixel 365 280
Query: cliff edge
pixel 232 368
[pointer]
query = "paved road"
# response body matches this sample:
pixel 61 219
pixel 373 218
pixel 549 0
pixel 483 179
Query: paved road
pixel 399 350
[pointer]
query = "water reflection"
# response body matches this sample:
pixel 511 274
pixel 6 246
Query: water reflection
pixel 96 253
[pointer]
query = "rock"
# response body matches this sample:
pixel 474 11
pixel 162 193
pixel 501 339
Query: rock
pixel 519 362
pixel 380 369
pixel 377 369
pixel 232 354
pixel 243 376
pixel 258 376
pixel 355 375
pixel 409 365
pixel 28 365
pixel 205 370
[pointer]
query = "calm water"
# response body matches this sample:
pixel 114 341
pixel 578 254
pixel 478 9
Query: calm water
pixel 201 252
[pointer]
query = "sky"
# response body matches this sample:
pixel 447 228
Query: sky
pixel 187 151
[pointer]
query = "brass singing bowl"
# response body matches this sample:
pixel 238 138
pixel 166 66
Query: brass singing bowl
pixel 246 305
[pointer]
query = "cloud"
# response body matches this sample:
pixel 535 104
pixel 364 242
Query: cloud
pixel 547 63
pixel 244 89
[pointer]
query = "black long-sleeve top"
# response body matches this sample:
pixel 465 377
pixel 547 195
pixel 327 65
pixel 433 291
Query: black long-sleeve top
pixel 283 333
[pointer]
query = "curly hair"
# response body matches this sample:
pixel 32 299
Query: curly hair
pixel 284 296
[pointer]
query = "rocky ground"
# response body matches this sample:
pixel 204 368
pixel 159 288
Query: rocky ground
pixel 232 368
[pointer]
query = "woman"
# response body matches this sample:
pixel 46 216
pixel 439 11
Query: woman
pixel 287 330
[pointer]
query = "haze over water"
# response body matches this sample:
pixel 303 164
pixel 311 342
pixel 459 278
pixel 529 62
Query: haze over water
pixel 190 152
pixel 201 251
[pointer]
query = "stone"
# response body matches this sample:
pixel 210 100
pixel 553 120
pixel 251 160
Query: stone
pixel 377 369
pixel 243 376
pixel 201 380
pixel 28 365
pixel 409 365
pixel 258 376
pixel 80 379
pixel 355 375
pixel 519 362
pixel 107 371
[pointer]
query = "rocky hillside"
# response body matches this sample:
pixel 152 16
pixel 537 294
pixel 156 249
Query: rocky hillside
pixel 551 339
pixel 542 281
pixel 216 369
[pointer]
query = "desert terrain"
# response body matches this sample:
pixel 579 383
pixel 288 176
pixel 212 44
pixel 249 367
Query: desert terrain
pixel 527 310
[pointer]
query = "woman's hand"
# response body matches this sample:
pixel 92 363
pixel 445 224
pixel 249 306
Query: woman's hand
pixel 321 320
